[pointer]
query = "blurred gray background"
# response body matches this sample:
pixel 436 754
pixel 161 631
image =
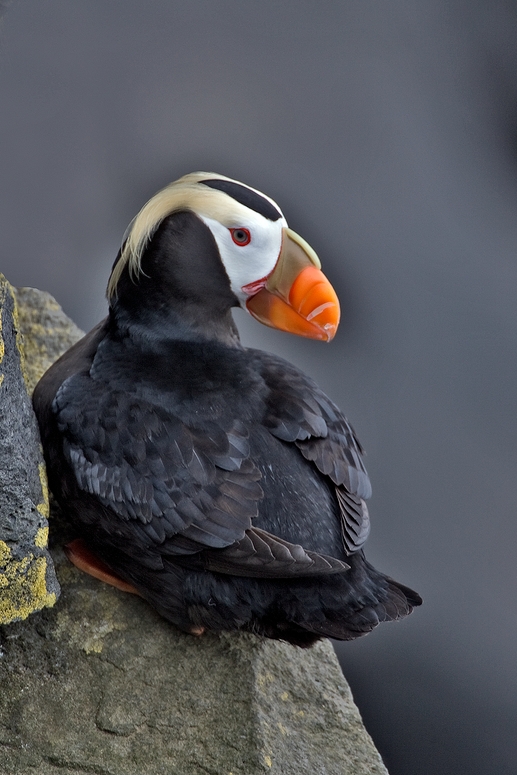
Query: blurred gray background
pixel 387 131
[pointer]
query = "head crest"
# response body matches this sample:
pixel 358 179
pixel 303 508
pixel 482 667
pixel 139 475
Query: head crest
pixel 182 194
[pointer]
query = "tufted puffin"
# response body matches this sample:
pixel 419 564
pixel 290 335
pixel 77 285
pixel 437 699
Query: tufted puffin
pixel 216 481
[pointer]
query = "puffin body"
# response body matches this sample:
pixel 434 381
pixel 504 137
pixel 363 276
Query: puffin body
pixel 216 481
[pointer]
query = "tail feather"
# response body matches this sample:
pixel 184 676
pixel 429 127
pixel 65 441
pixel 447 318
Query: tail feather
pixel 394 601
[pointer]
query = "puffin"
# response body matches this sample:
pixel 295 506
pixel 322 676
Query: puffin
pixel 216 481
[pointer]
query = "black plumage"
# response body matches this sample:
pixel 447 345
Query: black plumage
pixel 219 481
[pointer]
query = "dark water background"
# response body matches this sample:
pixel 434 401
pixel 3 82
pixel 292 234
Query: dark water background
pixel 387 131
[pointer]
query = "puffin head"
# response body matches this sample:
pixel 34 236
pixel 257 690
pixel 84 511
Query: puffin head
pixel 210 239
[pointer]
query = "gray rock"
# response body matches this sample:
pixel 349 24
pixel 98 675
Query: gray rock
pixel 101 684
pixel 46 332
pixel 27 578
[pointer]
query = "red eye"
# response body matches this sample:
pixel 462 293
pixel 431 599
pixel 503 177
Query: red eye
pixel 241 236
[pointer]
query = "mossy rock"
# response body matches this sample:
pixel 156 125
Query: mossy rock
pixel 27 578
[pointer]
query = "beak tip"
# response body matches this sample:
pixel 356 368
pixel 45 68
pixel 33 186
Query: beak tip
pixel 329 330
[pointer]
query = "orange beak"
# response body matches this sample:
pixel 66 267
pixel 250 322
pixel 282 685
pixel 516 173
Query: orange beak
pixel 296 297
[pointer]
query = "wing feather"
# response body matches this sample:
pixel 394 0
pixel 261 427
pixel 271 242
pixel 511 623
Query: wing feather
pixel 261 554
pixel 148 466
pixel 189 493
pixel 299 412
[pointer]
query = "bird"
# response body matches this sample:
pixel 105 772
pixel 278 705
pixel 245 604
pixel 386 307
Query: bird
pixel 216 481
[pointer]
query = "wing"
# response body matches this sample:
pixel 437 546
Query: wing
pixel 191 493
pixel 299 412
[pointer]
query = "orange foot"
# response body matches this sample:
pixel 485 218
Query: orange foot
pixel 78 554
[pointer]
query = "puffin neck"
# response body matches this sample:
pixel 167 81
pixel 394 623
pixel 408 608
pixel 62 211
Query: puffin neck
pixel 181 291
pixel 181 322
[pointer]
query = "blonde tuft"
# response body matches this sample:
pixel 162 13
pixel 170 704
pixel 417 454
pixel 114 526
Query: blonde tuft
pixel 183 194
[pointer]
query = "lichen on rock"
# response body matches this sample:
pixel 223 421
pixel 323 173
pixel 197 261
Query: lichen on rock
pixel 27 578
pixel 46 332
pixel 23 585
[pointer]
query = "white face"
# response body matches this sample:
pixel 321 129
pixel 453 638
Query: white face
pixel 249 248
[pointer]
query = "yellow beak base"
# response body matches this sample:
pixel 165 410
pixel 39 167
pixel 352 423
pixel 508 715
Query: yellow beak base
pixel 297 296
